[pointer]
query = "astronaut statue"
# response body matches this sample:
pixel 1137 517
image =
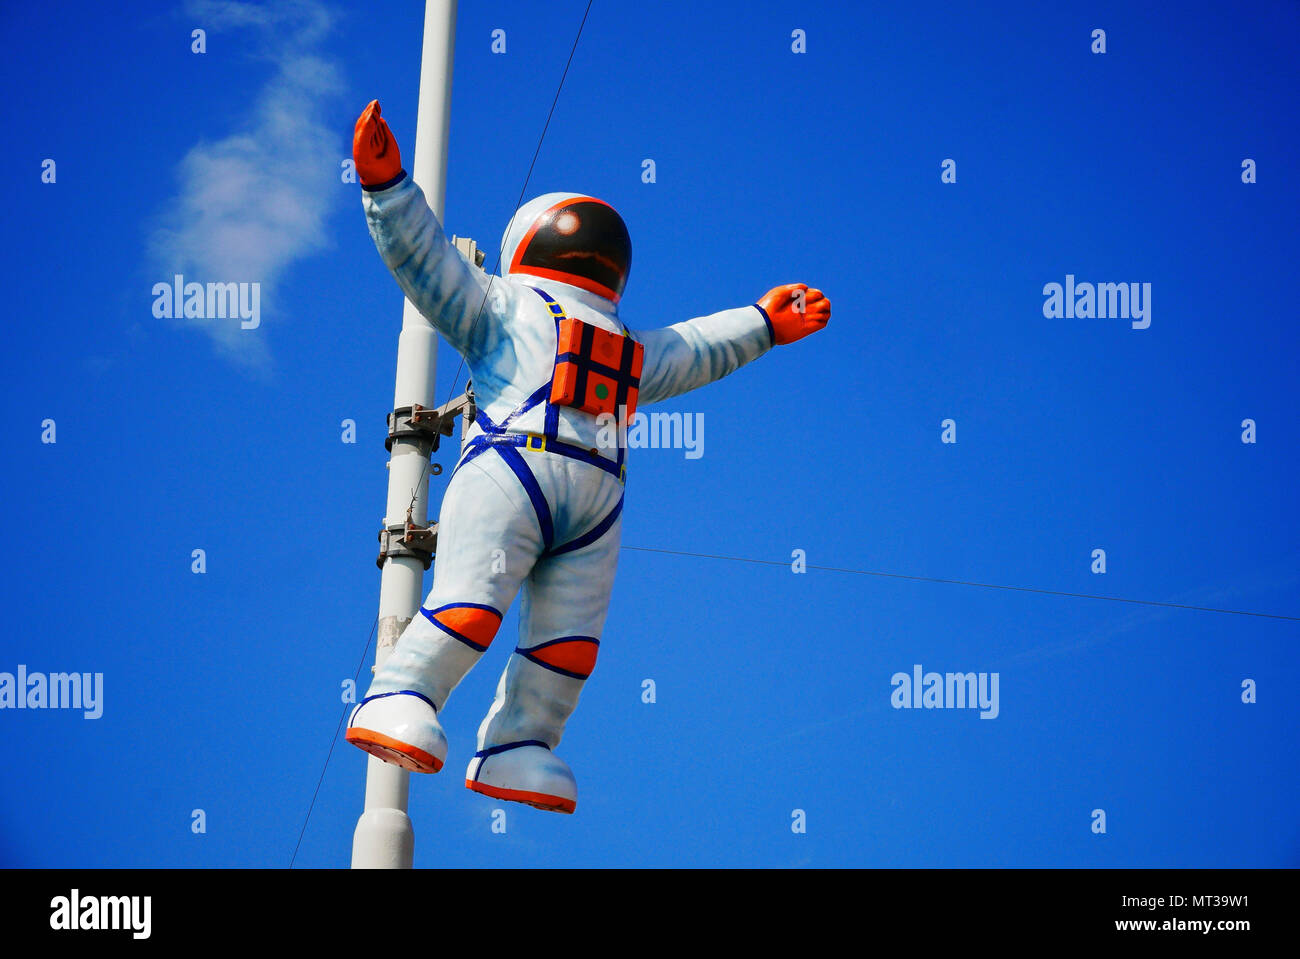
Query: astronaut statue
pixel 535 500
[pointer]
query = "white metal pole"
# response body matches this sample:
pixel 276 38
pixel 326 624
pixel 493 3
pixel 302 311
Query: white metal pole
pixel 384 838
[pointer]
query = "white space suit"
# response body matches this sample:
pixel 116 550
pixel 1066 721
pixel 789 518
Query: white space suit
pixel 536 498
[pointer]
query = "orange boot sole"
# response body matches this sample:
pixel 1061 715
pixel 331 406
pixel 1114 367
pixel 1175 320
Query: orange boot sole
pixel 393 750
pixel 537 800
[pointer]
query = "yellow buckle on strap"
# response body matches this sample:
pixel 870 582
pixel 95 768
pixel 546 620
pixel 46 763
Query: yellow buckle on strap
pixel 622 473
pixel 541 443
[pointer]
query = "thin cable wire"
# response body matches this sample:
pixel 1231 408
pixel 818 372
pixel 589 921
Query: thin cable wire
pixel 519 202
pixel 962 582
pixel 524 189
pixel 355 678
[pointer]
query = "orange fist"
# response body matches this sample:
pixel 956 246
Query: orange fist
pixel 795 311
pixel 374 150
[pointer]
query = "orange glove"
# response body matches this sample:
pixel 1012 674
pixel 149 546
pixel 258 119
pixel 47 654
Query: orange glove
pixel 374 149
pixel 791 319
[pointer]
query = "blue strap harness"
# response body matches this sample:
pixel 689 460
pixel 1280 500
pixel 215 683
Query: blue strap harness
pixel 497 436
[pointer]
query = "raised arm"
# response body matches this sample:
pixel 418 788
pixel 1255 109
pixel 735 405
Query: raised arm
pixel 446 290
pixel 688 355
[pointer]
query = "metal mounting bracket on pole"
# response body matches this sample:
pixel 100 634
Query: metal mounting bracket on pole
pixel 469 250
pixel 408 539
pixel 416 422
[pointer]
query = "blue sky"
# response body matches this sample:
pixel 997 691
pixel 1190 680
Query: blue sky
pixel 221 690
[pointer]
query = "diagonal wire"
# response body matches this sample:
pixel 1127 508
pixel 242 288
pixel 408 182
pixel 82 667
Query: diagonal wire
pixel 962 582
pixel 356 677
pixel 519 202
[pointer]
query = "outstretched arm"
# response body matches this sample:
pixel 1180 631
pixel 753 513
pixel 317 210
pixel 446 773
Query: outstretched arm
pixel 688 355
pixel 441 284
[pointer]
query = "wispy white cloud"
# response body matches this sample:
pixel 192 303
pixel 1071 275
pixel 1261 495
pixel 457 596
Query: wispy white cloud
pixel 255 201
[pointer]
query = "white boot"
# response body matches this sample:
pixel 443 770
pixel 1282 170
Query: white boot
pixel 401 728
pixel 536 695
pixel 524 772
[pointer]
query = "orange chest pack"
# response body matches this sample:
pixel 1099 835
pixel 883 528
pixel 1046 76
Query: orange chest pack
pixel 596 371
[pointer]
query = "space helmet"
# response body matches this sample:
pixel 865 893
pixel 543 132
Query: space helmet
pixel 571 238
